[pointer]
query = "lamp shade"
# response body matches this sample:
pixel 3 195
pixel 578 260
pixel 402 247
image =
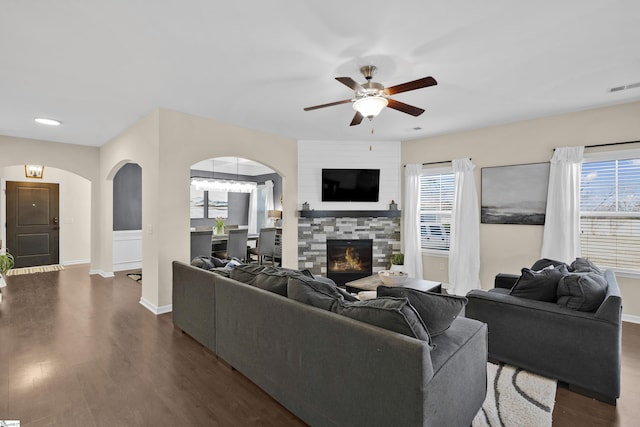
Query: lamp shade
pixel 275 214
pixel 370 106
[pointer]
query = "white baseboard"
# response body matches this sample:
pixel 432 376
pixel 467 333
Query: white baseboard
pixel 105 274
pixel 630 318
pixel 77 262
pixel 154 308
pixel 133 265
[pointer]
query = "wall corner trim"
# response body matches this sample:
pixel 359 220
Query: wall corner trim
pixel 105 274
pixel 154 308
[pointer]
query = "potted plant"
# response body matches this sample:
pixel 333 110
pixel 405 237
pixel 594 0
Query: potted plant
pixel 397 262
pixel 219 225
pixel 6 263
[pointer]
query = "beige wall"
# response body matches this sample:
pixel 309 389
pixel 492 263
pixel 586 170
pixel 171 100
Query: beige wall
pixel 165 144
pixel 508 248
pixel 77 159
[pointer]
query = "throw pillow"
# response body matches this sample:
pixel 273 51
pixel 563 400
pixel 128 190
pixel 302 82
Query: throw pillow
pixel 313 292
pixel 539 285
pixel 584 265
pixel 246 273
pixel 437 311
pixel 393 314
pixel 582 291
pixel 275 279
pixel 347 296
pixel 202 262
pixel 546 262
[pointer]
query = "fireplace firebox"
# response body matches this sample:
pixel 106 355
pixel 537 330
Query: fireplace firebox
pixel 349 260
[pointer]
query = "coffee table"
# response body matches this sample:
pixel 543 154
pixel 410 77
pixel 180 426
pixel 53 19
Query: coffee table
pixel 371 283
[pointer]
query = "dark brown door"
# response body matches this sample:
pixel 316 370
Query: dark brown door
pixel 33 223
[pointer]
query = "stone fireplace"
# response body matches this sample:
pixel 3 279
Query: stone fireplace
pixel 313 233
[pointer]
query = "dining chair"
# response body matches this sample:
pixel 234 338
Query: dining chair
pixel 266 246
pixel 201 243
pixel 237 244
pixel 228 227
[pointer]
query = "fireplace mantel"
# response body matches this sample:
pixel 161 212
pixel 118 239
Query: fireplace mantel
pixel 349 214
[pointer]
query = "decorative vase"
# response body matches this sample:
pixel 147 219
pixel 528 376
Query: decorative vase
pixel 305 206
pixel 218 229
pixel 393 206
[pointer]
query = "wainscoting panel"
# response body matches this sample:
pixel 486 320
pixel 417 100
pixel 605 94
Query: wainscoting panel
pixel 127 250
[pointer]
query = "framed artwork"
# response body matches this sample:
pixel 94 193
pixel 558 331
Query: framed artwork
pixel 515 194
pixel 218 204
pixel 196 203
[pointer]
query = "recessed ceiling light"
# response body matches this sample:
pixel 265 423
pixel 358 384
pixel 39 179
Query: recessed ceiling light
pixel 50 122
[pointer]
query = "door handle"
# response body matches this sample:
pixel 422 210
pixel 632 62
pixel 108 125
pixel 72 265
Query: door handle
pixel 56 220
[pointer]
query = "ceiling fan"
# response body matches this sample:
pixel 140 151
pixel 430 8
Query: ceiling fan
pixel 371 97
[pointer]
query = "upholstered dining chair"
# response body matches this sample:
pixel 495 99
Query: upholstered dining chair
pixel 266 246
pixel 237 243
pixel 201 243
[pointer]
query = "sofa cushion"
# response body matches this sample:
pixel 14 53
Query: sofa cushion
pixel 207 262
pixel 246 273
pixel 393 314
pixel 347 296
pixel 437 311
pixel 539 285
pixel 314 292
pixel 582 291
pixel 584 265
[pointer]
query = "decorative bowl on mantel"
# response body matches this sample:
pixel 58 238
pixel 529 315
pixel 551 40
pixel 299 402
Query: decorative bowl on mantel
pixel 392 278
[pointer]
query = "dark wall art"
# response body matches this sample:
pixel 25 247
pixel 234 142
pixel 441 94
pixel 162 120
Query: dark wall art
pixel 515 194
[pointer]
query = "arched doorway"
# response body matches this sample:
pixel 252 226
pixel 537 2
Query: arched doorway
pixel 127 218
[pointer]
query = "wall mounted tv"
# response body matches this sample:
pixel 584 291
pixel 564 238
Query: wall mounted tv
pixel 350 185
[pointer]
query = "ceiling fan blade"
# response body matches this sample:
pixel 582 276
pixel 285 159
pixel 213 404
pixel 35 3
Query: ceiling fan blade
pixel 349 82
pixel 405 108
pixel 413 85
pixel 357 119
pixel 331 104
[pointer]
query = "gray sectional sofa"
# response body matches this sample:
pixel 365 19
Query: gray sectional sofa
pixel 328 369
pixel 556 338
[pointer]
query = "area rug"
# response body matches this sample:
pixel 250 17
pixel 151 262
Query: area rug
pixel 516 398
pixel 30 270
pixel 137 276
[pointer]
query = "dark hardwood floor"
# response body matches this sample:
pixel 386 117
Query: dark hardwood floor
pixel 79 350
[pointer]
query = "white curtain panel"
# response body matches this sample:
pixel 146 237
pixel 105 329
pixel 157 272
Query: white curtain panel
pixel 265 203
pixel 464 249
pixel 411 221
pixel 561 239
pixel 253 210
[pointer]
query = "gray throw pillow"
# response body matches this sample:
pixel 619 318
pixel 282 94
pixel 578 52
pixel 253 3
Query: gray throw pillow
pixel 539 285
pixel 347 296
pixel 437 311
pixel 246 273
pixel 393 314
pixel 584 265
pixel 546 262
pixel 275 279
pixel 582 291
pixel 313 292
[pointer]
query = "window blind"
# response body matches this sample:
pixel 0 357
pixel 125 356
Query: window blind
pixel 436 203
pixel 610 213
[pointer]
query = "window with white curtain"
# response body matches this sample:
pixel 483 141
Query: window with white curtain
pixel 610 210
pixel 436 202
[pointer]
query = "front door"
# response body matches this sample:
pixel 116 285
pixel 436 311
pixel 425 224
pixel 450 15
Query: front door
pixel 33 223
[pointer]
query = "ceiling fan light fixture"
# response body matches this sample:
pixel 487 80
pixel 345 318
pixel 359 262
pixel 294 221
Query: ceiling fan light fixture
pixel 370 106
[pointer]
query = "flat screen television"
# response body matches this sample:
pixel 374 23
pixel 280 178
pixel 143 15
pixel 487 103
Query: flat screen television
pixel 350 185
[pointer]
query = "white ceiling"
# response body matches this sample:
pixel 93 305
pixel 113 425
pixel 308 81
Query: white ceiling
pixel 100 66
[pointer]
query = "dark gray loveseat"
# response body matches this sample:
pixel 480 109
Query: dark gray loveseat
pixel 328 369
pixel 579 348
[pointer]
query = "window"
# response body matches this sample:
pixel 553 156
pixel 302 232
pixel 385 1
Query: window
pixel 436 203
pixel 610 212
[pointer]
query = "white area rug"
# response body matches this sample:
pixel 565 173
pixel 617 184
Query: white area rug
pixel 30 270
pixel 516 398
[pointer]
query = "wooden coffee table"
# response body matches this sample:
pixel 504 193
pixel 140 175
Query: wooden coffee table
pixel 371 283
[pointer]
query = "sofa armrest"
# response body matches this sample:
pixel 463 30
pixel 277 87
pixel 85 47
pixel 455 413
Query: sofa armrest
pixel 505 281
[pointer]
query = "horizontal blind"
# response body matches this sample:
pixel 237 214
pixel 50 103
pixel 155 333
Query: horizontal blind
pixel 436 203
pixel 610 213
